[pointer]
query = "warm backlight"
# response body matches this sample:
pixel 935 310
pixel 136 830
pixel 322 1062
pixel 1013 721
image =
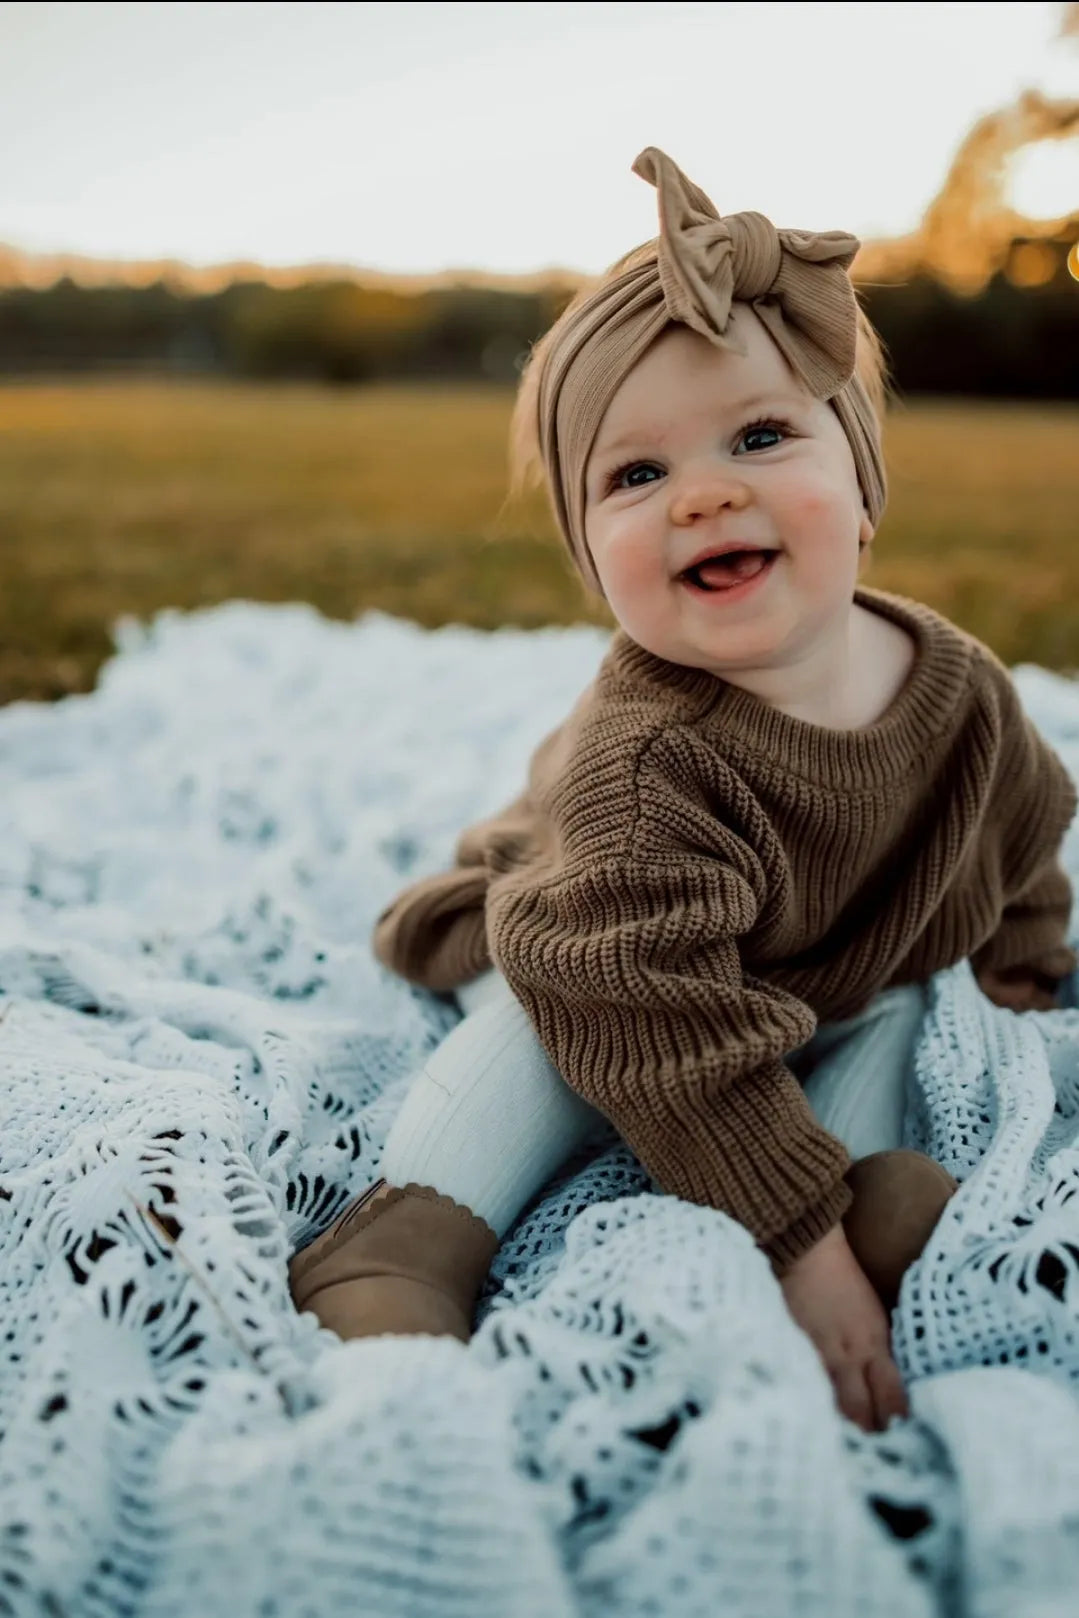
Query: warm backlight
pixel 1045 179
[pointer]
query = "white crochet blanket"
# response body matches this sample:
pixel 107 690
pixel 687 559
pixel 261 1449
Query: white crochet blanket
pixel 199 1062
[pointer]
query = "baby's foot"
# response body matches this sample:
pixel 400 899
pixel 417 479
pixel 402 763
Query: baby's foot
pixel 401 1261
pixel 898 1198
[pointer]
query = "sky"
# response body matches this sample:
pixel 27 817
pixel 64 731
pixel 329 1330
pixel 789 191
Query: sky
pixel 422 137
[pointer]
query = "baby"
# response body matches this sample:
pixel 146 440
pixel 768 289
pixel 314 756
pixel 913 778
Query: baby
pixel 785 801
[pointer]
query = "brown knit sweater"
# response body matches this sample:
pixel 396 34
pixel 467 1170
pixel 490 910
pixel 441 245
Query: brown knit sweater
pixel 693 878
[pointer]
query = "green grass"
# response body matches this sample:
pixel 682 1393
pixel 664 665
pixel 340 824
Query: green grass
pixel 124 496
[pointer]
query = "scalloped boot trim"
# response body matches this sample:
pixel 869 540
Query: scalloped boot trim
pixel 409 1263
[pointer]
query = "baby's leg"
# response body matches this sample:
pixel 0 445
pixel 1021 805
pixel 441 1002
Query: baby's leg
pixel 488 1120
pixel 484 1124
pixel 857 1074
pixel 859 1070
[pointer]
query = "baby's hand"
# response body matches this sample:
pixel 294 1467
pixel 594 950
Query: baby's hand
pixel 829 1296
pixel 1019 988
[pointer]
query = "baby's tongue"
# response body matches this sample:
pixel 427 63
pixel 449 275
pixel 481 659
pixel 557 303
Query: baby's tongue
pixel 723 572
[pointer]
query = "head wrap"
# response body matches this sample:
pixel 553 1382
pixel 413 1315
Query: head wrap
pixel 795 281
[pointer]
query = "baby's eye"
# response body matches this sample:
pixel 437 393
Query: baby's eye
pixel 625 477
pixel 763 435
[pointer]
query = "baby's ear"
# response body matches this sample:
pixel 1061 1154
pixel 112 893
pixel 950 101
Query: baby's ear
pixel 865 531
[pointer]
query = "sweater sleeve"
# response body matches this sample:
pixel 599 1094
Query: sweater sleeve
pixel 631 974
pixel 434 932
pixel 1033 928
pixel 1035 803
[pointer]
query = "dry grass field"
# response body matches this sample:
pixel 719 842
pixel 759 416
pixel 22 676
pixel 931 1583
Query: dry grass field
pixel 123 496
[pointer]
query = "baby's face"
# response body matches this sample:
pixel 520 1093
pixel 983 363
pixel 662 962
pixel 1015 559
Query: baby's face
pixel 702 448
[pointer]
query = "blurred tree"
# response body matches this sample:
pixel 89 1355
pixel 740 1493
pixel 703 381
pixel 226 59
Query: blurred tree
pixel 1018 336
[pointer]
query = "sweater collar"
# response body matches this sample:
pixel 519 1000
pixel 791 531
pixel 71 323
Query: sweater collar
pixel 925 708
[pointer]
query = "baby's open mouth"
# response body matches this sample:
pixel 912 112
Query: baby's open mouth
pixel 726 571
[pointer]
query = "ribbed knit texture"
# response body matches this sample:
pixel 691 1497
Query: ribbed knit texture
pixel 693 879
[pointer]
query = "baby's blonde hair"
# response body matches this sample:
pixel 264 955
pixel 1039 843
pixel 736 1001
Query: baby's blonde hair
pixel 526 469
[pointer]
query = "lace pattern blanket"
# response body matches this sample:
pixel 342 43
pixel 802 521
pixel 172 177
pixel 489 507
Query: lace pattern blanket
pixel 199 1062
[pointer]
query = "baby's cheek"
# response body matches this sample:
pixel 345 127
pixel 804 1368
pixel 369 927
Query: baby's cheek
pixel 816 508
pixel 628 561
pixel 810 502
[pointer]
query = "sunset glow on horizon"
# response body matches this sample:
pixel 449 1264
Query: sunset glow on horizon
pixel 420 138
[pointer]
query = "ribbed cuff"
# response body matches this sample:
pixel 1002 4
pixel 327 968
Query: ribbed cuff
pixel 757 1153
pixel 1031 945
pixel 1058 963
pixel 434 933
pixel 807 1231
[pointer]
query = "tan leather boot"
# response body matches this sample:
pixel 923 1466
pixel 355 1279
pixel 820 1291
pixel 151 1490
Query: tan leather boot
pixel 406 1263
pixel 898 1198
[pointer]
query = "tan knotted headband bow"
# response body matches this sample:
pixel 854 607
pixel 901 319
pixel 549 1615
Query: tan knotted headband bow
pixel 796 282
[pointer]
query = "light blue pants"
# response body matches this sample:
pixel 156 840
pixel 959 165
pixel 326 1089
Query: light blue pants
pixel 488 1120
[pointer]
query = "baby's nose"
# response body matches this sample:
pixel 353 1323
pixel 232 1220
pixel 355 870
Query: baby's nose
pixel 705 495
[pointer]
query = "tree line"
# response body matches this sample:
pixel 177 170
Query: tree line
pixel 1011 340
